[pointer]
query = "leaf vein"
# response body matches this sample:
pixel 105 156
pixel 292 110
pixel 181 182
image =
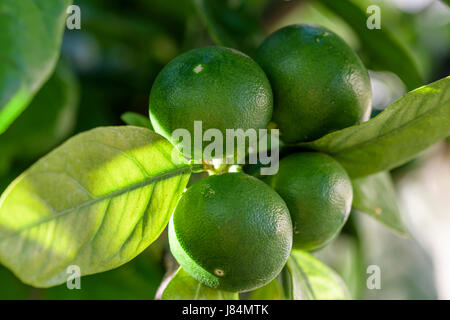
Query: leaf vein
pixel 117 193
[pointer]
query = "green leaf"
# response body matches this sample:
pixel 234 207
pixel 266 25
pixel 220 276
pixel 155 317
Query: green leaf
pixel 383 50
pixel 271 291
pixel 48 120
pixel 310 279
pixel 235 27
pixel 30 36
pixel 375 196
pixel 96 202
pixel 411 124
pixel 136 119
pixel 183 287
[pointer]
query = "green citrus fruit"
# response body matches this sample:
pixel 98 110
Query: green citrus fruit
pixel 318 193
pixel 221 87
pixel 231 232
pixel 319 84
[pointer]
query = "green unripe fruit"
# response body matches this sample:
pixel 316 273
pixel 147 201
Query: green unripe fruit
pixel 319 84
pixel 221 87
pixel 318 193
pixel 231 232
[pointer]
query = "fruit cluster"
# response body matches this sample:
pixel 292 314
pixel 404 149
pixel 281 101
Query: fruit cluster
pixel 232 231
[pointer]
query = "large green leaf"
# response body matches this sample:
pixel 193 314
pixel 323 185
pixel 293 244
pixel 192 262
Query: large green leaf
pixel 384 51
pixel 183 287
pixel 96 202
pixel 395 136
pixel 375 195
pixel 310 279
pixel 48 120
pixel 30 38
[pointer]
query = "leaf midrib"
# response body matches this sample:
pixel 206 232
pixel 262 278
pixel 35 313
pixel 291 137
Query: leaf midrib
pixel 147 181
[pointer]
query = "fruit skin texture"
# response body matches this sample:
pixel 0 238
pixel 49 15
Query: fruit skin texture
pixel 319 84
pixel 318 193
pixel 222 87
pixel 231 232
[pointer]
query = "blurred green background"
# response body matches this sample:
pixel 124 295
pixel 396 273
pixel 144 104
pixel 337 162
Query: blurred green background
pixel 108 66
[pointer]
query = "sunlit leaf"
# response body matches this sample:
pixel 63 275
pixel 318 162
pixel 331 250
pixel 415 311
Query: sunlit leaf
pixel 96 202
